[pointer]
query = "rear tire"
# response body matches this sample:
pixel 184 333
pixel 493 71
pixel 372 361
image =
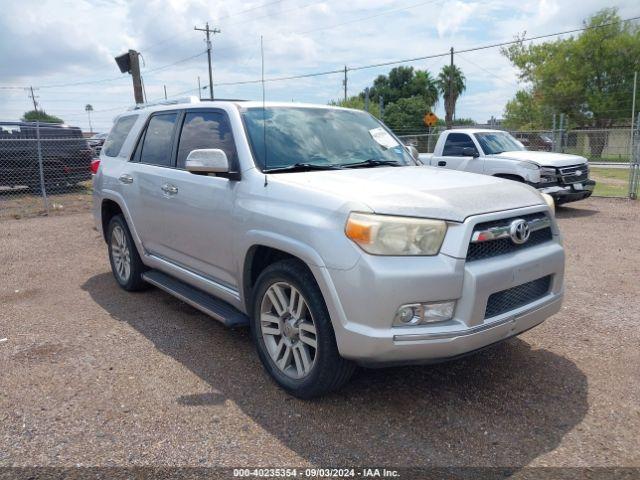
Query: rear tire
pixel 126 265
pixel 292 330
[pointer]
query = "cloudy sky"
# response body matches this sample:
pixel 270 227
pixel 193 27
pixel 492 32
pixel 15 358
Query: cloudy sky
pixel 65 49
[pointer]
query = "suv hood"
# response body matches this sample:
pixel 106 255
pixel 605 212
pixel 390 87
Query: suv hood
pixel 426 192
pixel 543 159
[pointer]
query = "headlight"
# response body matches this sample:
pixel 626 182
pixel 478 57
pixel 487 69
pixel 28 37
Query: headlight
pixel 388 235
pixel 550 201
pixel 547 175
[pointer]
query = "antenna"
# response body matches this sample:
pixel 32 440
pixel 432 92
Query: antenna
pixel 264 115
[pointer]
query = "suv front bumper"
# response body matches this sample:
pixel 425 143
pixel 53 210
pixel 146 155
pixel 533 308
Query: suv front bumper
pixel 366 298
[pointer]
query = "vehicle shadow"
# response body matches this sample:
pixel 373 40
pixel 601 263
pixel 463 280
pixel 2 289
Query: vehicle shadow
pixel 504 406
pixel 564 211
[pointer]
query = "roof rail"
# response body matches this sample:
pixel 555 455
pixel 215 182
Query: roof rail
pixel 175 101
pixel 224 100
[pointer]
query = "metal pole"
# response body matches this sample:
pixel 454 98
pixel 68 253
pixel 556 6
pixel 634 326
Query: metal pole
pixel 553 133
pixel 165 92
pixel 366 99
pixel 634 166
pixel 561 131
pixel 450 98
pixel 344 82
pixel 41 168
pixel 199 89
pixel 381 104
pixel 633 114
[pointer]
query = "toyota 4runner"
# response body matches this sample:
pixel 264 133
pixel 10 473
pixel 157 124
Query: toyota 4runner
pixel 317 228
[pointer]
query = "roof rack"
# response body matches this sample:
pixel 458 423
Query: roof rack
pixel 175 101
pixel 224 100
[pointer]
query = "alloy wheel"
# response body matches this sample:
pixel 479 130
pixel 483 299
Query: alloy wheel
pixel 288 330
pixel 120 253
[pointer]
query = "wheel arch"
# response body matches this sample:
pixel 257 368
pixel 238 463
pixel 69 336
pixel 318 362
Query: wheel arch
pixel 510 176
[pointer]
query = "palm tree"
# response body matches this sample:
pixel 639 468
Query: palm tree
pixel 89 108
pixel 454 75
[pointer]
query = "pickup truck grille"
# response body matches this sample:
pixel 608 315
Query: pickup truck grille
pixel 574 174
pixel 479 250
pixel 516 297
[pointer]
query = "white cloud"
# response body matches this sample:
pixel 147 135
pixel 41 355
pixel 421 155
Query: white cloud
pixel 454 16
pixel 50 42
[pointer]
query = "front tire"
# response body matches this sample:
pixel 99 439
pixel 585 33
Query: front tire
pixel 293 334
pixel 126 265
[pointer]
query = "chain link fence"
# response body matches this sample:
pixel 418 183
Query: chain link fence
pixel 40 164
pixel 613 154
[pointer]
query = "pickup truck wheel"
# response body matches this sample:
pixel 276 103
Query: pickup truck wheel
pixel 126 265
pixel 293 333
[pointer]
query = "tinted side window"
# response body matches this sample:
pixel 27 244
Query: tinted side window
pixel 205 130
pixel 117 136
pixel 455 143
pixel 156 148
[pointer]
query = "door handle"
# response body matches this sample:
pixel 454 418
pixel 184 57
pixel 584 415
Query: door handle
pixel 442 163
pixel 169 189
pixel 126 178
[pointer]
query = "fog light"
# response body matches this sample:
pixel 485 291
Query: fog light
pixel 423 313
pixel 408 315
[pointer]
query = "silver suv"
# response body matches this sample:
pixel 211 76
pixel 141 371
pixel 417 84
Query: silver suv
pixel 316 227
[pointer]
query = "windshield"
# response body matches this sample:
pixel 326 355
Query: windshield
pixel 320 137
pixel 493 143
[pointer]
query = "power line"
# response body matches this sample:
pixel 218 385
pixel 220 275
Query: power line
pixel 177 62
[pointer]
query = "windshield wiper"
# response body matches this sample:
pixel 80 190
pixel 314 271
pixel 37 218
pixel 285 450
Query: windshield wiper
pixel 301 167
pixel 372 162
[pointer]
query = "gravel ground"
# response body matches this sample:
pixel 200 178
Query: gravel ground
pixel 93 375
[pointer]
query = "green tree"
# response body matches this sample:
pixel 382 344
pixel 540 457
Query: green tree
pixel 451 83
pixel 358 103
pixel 404 82
pixel 588 77
pixel 525 112
pixel 41 116
pixel 406 114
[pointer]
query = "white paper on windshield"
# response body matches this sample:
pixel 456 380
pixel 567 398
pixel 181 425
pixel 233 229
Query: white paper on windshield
pixel 381 136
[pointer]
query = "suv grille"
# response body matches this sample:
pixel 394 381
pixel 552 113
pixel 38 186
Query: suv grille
pixel 516 297
pixel 570 175
pixel 501 246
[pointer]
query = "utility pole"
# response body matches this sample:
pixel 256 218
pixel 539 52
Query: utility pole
pixel 130 63
pixel 134 63
pixel 199 89
pixel 450 99
pixel 344 82
pixel 165 92
pixel 208 32
pixel 35 104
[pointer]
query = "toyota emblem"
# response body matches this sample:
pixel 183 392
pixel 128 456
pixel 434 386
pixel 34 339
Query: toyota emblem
pixel 519 231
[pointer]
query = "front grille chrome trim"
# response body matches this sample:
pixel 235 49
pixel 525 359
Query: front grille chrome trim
pixel 503 231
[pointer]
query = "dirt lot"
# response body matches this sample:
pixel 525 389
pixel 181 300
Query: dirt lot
pixel 93 375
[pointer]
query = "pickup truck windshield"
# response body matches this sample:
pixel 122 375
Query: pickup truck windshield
pixel 297 137
pixel 493 143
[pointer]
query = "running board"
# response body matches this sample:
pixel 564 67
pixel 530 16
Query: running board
pixel 212 306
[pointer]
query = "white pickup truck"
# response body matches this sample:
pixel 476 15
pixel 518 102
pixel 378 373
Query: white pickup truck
pixel 497 153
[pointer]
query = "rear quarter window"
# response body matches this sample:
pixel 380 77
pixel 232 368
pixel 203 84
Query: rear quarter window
pixel 117 136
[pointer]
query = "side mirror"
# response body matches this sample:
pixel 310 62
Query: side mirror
pixel 470 152
pixel 207 160
pixel 414 152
